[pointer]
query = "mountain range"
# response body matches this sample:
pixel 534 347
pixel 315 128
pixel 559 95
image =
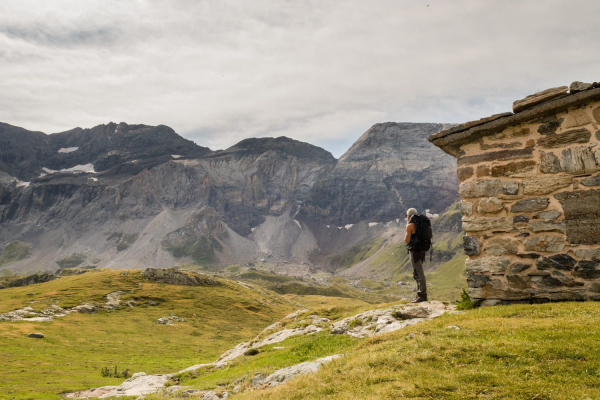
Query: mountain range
pixel 128 196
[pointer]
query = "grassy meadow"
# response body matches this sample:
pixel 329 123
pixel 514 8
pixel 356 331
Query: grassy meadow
pixel 549 351
pixel 77 346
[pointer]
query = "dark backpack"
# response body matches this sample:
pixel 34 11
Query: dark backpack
pixel 422 239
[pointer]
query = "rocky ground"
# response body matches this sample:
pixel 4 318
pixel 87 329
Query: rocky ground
pixel 365 324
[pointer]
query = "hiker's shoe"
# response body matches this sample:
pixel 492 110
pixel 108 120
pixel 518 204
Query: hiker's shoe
pixel 419 300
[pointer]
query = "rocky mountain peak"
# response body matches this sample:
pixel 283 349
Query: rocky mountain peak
pixel 280 144
pixel 383 140
pixel 390 168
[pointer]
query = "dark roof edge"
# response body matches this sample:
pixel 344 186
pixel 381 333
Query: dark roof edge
pixel 450 139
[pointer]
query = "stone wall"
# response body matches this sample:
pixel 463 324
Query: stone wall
pixel 531 207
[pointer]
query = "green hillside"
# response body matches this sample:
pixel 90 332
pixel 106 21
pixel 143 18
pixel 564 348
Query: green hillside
pixel 545 351
pixel 76 347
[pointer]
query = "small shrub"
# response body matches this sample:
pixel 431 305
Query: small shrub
pixel 109 373
pixel 251 352
pixel 465 301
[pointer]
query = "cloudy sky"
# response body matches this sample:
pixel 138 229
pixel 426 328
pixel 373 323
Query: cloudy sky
pixel 320 71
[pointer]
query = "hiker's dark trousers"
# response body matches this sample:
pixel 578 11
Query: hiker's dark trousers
pixel 418 258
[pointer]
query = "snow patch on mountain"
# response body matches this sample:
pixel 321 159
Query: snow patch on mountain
pixel 68 149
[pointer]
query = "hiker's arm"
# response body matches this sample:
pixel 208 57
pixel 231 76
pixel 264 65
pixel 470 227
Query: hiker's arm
pixel 409 232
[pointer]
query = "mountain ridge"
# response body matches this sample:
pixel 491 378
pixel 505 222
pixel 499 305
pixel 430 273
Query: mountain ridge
pixel 124 196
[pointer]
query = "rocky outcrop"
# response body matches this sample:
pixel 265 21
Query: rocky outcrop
pixel 391 168
pixel 376 322
pixel 174 276
pixel 283 375
pixel 28 280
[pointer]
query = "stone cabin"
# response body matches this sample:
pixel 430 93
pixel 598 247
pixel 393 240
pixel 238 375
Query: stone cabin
pixel 530 190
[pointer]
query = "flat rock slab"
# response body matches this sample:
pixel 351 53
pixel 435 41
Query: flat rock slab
pixel 138 385
pixel 285 374
pixel 375 322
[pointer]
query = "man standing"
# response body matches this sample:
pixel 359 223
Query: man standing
pixel 417 251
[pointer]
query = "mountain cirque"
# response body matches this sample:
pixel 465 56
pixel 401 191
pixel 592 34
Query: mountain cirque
pixel 123 196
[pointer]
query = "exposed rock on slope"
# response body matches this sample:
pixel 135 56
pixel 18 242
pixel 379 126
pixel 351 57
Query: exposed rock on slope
pixel 392 167
pixel 369 323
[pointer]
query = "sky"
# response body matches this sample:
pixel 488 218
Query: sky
pixel 320 71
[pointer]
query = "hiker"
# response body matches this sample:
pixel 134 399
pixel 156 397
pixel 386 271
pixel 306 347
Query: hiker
pixel 418 242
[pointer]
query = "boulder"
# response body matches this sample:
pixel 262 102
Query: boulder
pixel 36 335
pixel 539 98
pixel 285 374
pixel 339 330
pixel 211 395
pixel 413 312
pixel 86 309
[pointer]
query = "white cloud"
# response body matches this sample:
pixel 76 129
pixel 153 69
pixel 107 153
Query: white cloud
pixel 323 72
